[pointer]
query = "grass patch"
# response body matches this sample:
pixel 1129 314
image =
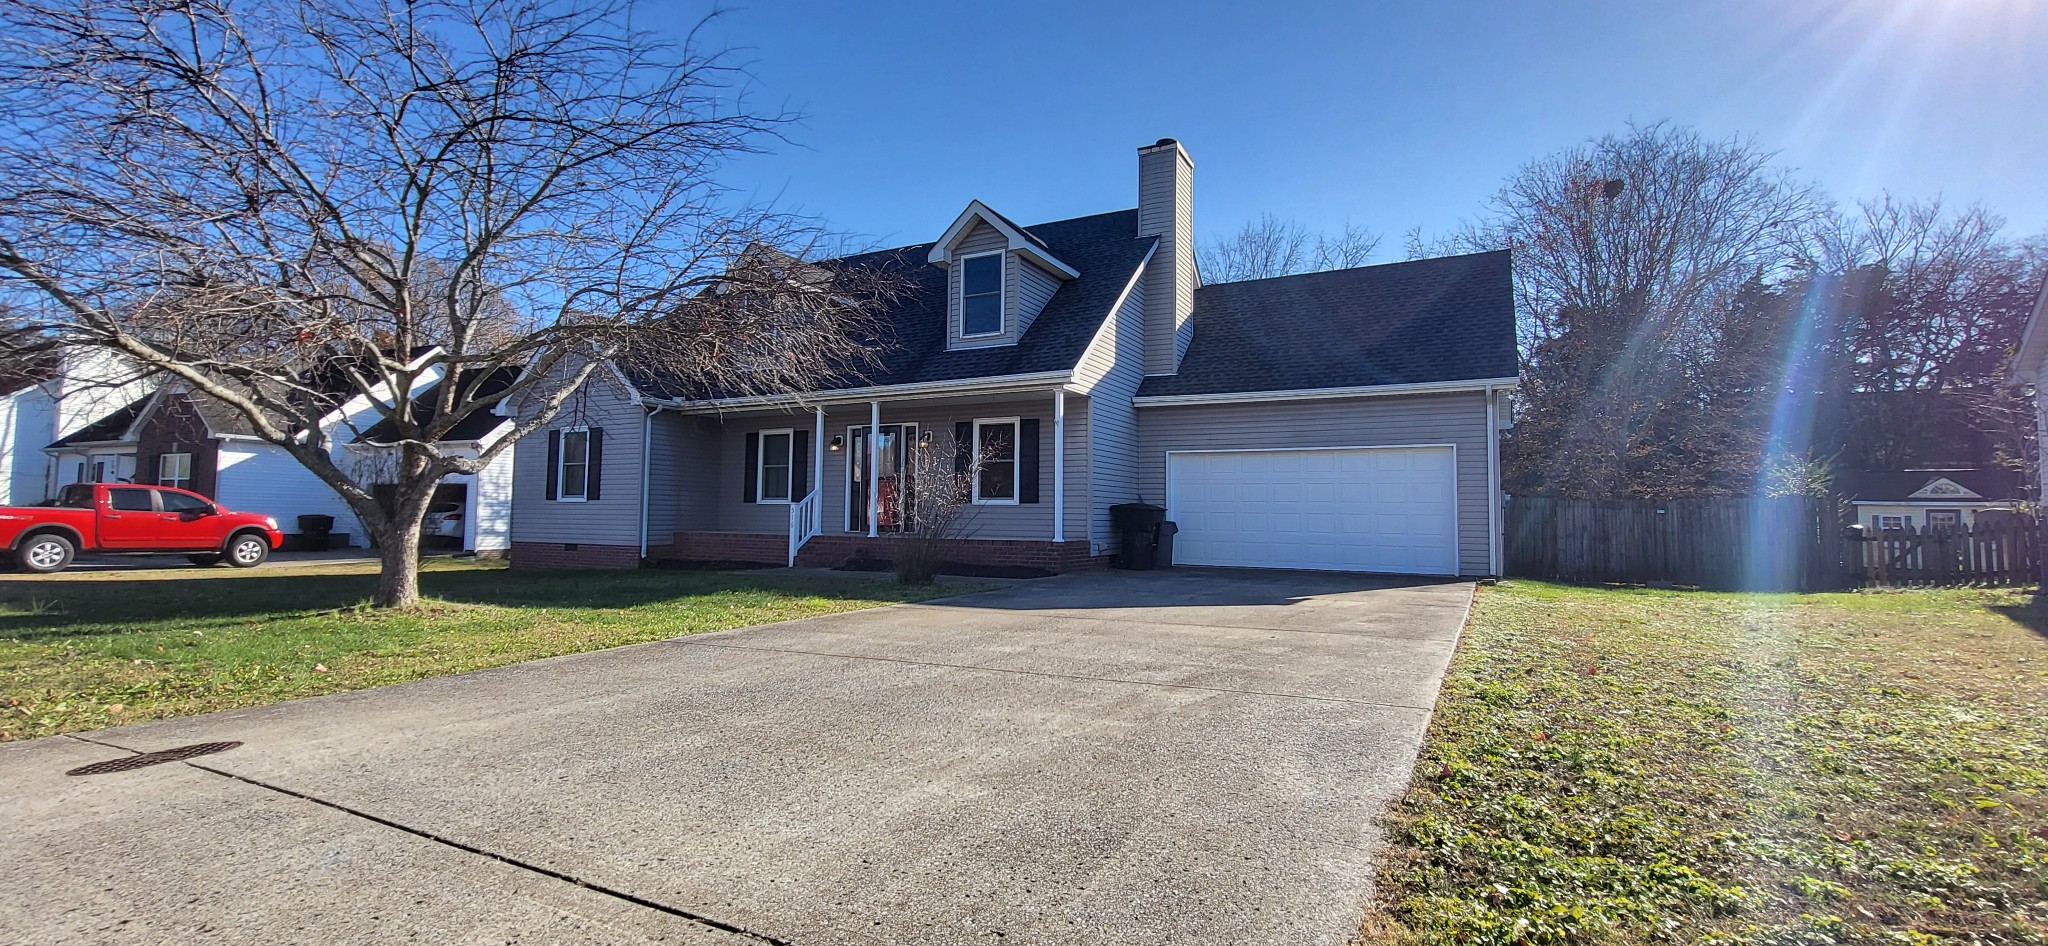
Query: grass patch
pixel 1635 766
pixel 85 651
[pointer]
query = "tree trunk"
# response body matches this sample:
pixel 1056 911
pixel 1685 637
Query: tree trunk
pixel 398 573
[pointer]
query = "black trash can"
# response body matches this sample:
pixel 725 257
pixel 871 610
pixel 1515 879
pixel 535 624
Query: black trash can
pixel 1163 553
pixel 314 533
pixel 1137 526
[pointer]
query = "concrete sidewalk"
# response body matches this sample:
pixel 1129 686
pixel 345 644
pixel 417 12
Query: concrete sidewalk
pixel 1112 758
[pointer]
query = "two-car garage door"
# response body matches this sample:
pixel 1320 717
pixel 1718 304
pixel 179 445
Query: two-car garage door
pixel 1369 509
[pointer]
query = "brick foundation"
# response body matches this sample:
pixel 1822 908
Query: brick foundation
pixel 573 555
pixel 832 551
pixel 762 547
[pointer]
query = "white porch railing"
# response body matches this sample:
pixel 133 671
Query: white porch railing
pixel 806 520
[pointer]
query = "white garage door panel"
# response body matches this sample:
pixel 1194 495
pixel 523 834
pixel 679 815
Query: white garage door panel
pixel 1375 509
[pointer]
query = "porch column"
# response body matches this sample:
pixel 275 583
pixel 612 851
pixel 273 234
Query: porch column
pixel 818 462
pixel 1059 465
pixel 874 494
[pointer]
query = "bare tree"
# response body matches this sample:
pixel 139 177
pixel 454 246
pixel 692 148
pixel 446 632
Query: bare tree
pixel 1270 246
pixel 1630 251
pixel 935 510
pixel 282 204
pixel 1659 219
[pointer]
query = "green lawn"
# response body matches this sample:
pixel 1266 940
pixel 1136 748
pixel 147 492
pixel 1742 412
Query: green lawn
pixel 1614 766
pixel 88 650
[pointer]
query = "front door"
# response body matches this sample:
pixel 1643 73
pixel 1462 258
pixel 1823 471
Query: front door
pixel 892 476
pixel 129 518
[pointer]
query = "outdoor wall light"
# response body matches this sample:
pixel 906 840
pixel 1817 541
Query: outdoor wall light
pixel 838 443
pixel 924 439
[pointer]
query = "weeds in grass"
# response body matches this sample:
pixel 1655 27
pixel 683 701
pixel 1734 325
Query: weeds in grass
pixel 1641 766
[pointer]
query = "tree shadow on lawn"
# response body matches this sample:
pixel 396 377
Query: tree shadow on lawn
pixel 2033 615
pixel 32 610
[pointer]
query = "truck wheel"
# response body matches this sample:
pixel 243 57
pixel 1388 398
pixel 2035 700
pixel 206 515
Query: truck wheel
pixel 204 559
pixel 45 553
pixel 248 550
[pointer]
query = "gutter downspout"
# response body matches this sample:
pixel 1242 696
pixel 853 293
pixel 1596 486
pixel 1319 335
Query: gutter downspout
pixel 1492 482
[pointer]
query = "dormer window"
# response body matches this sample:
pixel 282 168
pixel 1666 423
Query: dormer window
pixel 981 295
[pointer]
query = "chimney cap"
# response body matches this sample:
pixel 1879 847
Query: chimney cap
pixel 1164 142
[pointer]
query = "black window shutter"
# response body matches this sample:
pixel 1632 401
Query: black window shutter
pixel 1027 460
pixel 799 465
pixel 592 489
pixel 963 445
pixel 554 464
pixel 750 478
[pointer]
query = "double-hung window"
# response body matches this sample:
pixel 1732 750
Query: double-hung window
pixel 1891 522
pixel 174 469
pixel 574 475
pixel 995 461
pixel 774 475
pixel 981 295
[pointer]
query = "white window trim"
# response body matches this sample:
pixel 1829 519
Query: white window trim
pixel 1903 522
pixel 761 467
pixel 180 482
pixel 1002 288
pixel 1016 459
pixel 562 467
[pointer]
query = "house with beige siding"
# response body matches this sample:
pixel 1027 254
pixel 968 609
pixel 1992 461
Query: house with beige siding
pixel 1343 420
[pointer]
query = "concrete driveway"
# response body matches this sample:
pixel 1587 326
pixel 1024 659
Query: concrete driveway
pixel 1111 758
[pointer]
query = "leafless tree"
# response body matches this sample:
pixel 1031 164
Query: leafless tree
pixel 282 204
pixel 936 510
pixel 1660 219
pixel 1270 246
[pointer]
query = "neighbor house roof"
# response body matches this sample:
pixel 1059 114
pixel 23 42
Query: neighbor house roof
pixel 112 428
pixel 475 427
pixel 1418 322
pixel 1104 248
pixel 1900 485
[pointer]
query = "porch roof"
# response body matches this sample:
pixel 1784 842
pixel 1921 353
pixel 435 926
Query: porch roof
pixel 1105 248
pixel 112 428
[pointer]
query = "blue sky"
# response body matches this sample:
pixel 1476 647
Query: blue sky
pixel 1390 115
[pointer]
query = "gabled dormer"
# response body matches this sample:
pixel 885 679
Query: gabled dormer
pixel 998 278
pixel 1941 488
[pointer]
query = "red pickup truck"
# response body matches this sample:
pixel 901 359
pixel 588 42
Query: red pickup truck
pixel 100 517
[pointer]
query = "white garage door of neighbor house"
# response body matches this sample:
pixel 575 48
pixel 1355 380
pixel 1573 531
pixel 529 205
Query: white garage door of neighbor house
pixel 1368 509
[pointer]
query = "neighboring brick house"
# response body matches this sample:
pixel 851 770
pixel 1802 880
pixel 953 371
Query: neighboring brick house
pixel 1341 420
pixel 175 446
pixel 175 437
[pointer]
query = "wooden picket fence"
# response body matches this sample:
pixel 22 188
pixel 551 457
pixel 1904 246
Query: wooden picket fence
pixel 1786 544
pixel 2006 552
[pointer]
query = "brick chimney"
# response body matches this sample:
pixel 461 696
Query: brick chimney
pixel 1166 180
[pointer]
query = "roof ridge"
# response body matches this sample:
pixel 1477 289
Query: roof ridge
pixel 1027 229
pixel 1353 269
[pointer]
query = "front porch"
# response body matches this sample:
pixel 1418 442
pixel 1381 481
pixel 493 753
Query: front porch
pixel 816 486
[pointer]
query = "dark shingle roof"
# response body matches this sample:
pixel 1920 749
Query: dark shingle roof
pixel 1897 485
pixel 112 427
pixel 476 426
pixel 1104 248
pixel 20 370
pixel 1445 319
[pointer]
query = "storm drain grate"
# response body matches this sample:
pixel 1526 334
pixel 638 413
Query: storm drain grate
pixel 179 754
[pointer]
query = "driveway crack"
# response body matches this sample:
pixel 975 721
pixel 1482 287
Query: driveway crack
pixel 506 859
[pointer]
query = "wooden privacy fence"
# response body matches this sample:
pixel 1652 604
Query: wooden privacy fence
pixel 1791 543
pixel 1759 544
pixel 2004 552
